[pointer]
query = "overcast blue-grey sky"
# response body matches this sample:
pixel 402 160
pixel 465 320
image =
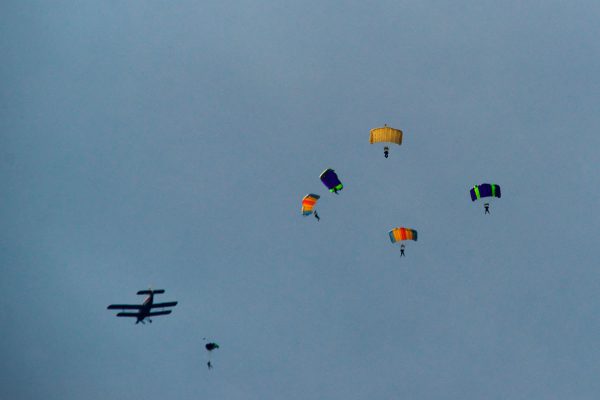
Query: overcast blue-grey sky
pixel 169 144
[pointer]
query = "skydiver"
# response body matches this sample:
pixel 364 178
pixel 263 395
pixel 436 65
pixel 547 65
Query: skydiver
pixel 317 216
pixel 402 250
pixel 209 365
pixel 386 151
pixel 487 208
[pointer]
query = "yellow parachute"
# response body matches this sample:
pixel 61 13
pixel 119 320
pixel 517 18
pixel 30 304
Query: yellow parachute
pixel 385 134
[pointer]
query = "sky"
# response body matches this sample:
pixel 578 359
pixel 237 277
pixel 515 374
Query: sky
pixel 169 144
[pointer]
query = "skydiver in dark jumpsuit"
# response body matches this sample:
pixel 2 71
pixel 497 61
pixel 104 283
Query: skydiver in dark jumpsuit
pixel 401 250
pixel 487 208
pixel 317 216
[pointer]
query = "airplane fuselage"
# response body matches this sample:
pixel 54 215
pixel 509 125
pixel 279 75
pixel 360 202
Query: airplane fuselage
pixel 145 309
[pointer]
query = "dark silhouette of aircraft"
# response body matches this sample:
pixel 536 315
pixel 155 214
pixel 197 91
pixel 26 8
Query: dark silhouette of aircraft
pixel 144 311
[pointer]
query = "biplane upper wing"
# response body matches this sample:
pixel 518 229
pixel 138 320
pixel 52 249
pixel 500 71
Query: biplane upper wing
pixel 168 304
pixel 124 307
pixel 157 291
pixel 153 314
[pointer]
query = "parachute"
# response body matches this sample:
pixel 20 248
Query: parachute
pixel 385 134
pixel 331 180
pixel 211 346
pixel 308 203
pixel 398 234
pixel 485 190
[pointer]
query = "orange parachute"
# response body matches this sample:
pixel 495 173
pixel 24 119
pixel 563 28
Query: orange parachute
pixel 385 134
pixel 308 203
pixel 398 234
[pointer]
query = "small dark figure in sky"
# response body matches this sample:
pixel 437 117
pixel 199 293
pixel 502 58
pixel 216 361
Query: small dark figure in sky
pixel 487 208
pixel 401 250
pixel 317 216
pixel 335 191
pixel 386 151
pixel 210 347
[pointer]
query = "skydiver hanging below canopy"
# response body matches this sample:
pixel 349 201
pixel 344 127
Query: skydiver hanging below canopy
pixel 385 134
pixel 210 347
pixel 317 216
pixel 401 234
pixel 485 190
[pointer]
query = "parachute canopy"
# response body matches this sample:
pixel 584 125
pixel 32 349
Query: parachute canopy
pixel 211 346
pixel 398 234
pixel 331 180
pixel 485 190
pixel 308 203
pixel 385 134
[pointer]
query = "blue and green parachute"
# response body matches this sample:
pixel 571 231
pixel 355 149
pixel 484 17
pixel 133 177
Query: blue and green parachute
pixel 331 180
pixel 485 190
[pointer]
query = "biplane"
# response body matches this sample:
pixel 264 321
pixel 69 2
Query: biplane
pixel 144 310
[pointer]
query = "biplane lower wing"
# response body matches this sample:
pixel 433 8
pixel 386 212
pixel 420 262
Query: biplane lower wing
pixel 153 314
pixel 127 314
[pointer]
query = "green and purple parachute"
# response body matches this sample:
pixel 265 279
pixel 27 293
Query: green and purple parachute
pixel 485 190
pixel 331 180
